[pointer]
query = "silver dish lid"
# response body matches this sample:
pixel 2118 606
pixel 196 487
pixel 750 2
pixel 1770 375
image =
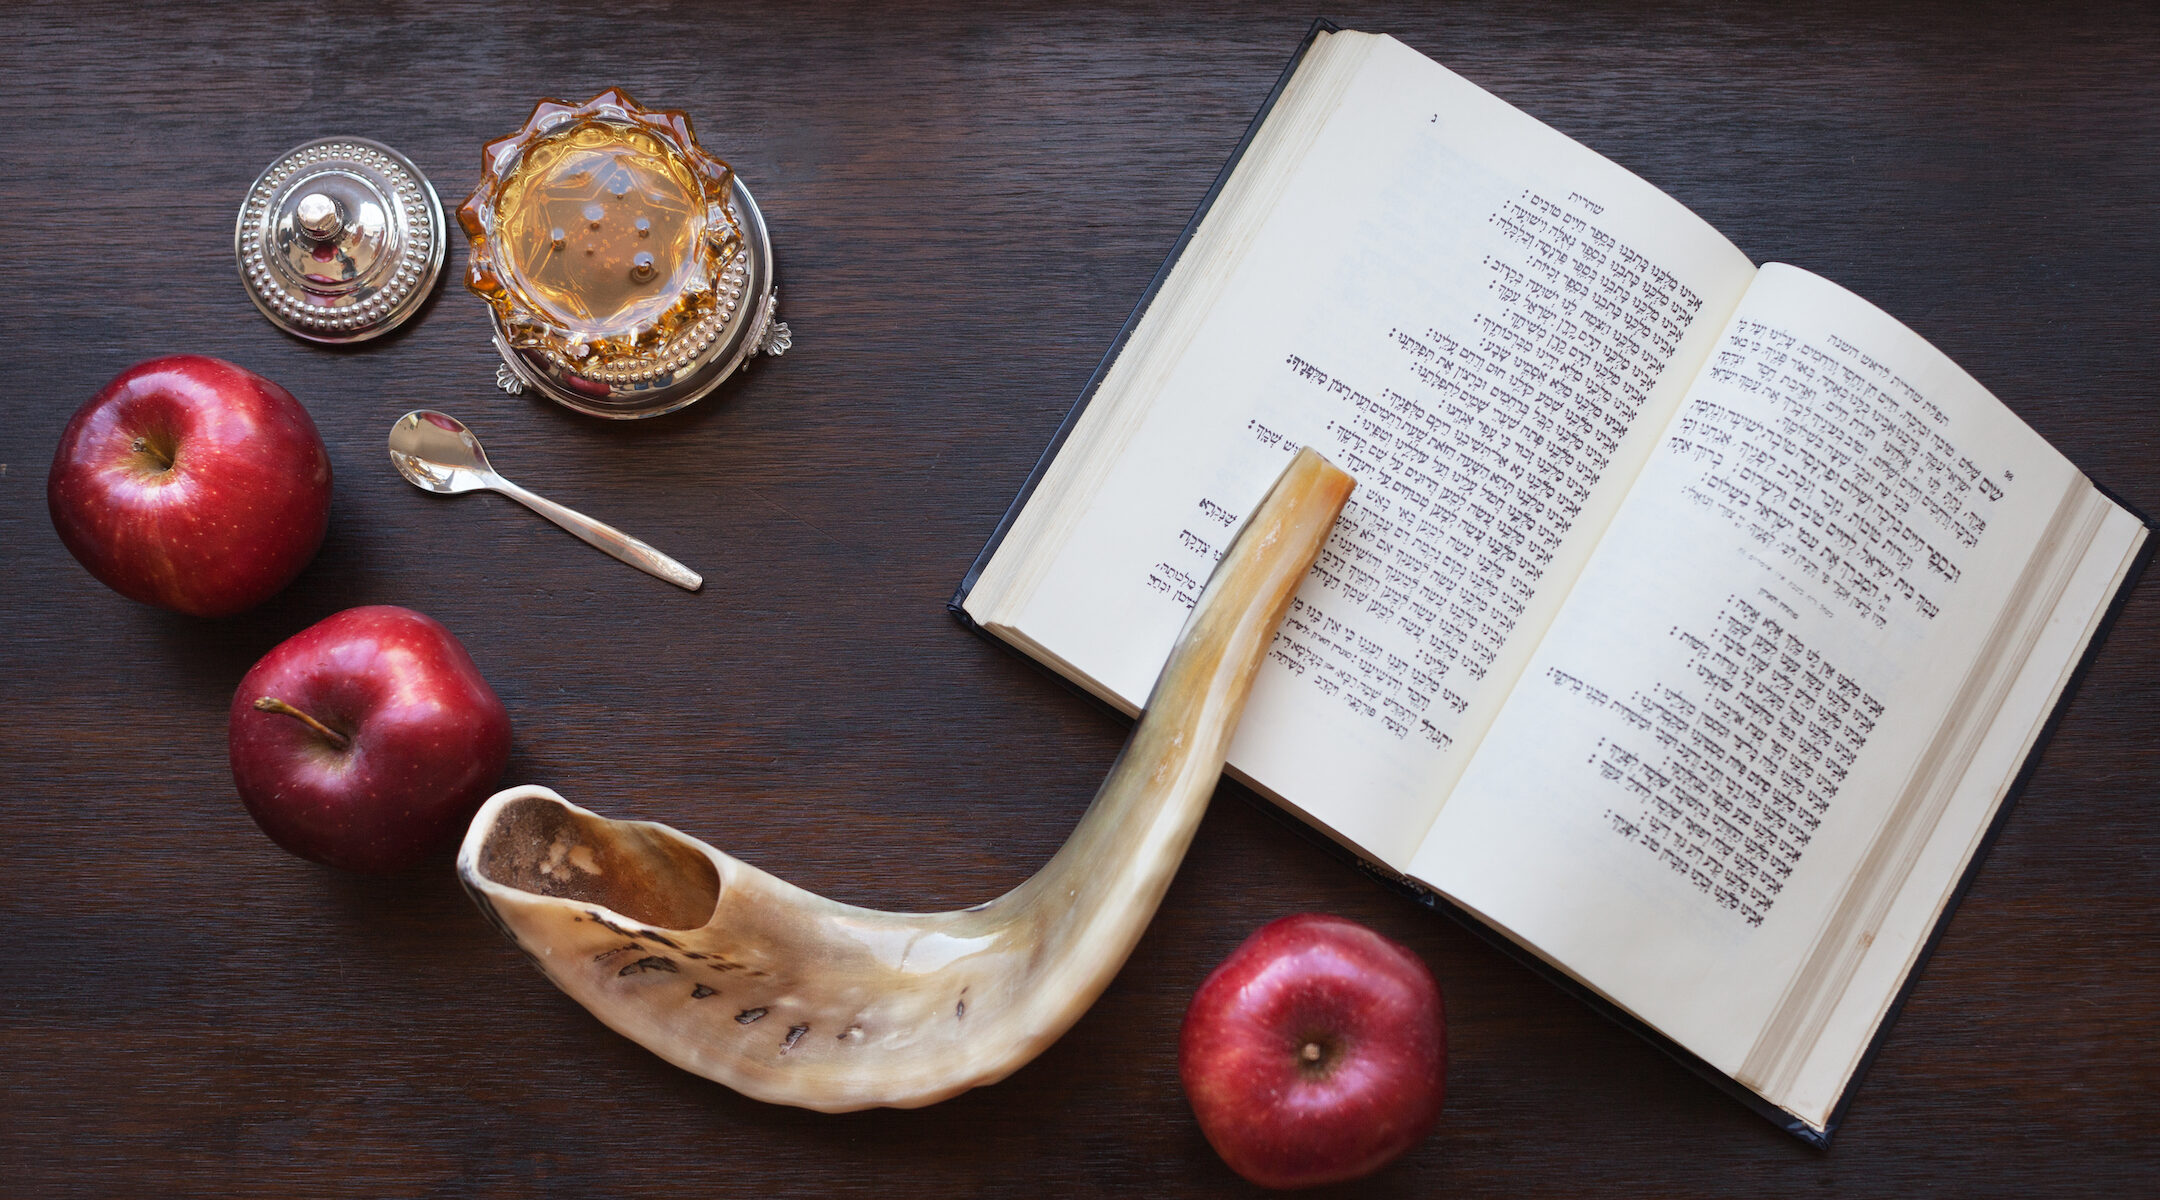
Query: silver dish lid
pixel 340 240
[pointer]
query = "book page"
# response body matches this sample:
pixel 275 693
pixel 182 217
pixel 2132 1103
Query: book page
pixel 1487 325
pixel 1840 552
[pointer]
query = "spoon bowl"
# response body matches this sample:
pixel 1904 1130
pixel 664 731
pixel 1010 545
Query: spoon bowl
pixel 437 452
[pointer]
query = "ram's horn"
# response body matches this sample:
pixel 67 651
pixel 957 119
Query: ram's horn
pixel 788 997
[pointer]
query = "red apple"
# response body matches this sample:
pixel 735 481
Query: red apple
pixel 367 740
pixel 192 484
pixel 1316 1053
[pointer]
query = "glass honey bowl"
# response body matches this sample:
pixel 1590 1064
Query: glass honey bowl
pixel 626 271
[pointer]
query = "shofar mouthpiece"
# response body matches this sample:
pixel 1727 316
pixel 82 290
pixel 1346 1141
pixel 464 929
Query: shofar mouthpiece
pixel 789 997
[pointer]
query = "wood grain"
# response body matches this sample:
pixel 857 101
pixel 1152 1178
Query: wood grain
pixel 965 204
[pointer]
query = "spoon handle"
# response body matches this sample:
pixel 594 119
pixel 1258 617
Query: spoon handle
pixel 603 536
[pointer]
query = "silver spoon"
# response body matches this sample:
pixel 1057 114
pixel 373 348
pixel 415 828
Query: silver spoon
pixel 437 453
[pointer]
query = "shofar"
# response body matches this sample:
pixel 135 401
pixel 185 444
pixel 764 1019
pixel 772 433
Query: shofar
pixel 788 997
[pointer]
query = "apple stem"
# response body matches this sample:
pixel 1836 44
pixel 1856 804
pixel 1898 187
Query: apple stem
pixel 271 704
pixel 1310 1052
pixel 142 445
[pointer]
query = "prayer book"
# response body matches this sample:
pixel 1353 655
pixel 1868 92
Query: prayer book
pixel 1692 620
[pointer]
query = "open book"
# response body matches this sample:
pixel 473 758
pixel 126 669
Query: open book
pixel 1691 620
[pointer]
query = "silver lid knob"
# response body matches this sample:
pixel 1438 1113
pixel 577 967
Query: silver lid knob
pixel 340 240
pixel 317 216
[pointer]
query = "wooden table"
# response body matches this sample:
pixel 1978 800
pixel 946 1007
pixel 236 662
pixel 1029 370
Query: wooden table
pixel 965 205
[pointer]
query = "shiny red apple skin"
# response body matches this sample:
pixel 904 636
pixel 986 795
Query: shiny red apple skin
pixel 1375 1012
pixel 192 484
pixel 429 739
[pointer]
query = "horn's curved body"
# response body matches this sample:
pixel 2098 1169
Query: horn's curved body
pixel 785 996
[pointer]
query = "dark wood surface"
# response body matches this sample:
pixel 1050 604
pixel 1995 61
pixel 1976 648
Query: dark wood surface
pixel 965 204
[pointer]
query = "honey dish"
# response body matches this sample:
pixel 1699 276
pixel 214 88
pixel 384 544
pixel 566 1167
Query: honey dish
pixel 627 272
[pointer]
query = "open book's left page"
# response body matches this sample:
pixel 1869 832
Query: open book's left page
pixel 1487 324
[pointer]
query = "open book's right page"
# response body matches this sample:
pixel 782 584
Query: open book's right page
pixel 1718 774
